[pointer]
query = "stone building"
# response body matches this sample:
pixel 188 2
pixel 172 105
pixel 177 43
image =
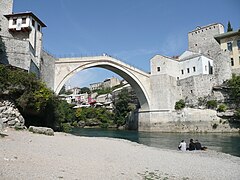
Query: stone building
pixel 22 36
pixel 201 40
pixel 107 83
pixel 230 41
pixel 186 65
pixel 200 68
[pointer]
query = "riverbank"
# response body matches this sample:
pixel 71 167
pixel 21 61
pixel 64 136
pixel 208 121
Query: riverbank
pixel 24 155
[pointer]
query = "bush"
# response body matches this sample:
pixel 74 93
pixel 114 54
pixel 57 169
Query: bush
pixel 222 108
pixel 66 127
pixel 212 104
pixel 234 89
pixel 214 126
pixel 180 104
pixel 237 114
pixel 75 124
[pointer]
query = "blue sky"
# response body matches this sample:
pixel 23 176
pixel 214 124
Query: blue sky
pixel 131 30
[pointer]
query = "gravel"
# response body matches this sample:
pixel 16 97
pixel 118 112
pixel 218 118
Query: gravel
pixel 24 155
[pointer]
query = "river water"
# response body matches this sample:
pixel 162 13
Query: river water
pixel 223 142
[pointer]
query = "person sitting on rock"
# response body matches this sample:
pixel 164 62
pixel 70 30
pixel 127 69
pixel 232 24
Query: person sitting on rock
pixel 191 145
pixel 198 145
pixel 182 146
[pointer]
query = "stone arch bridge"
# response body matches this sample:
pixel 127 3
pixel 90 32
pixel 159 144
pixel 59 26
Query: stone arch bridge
pixel 65 68
pixel 152 91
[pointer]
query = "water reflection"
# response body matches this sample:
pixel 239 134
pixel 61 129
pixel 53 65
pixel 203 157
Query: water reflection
pixel 223 142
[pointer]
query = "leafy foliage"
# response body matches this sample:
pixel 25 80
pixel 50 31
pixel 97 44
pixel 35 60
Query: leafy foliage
pixel 234 89
pixel 100 116
pixel 3 54
pixel 103 91
pixel 63 90
pixel 211 104
pixel 222 108
pixel 180 104
pixel 38 104
pixel 85 90
pixel 122 107
pixel 229 28
pixel 237 114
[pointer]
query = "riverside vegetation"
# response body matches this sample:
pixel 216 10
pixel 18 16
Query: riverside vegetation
pixel 41 107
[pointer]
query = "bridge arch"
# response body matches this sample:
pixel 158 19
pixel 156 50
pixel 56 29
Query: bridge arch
pixel 65 68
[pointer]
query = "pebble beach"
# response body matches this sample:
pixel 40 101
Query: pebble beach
pixel 24 155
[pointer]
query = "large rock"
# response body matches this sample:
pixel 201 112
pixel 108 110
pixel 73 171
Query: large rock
pixel 41 130
pixel 10 116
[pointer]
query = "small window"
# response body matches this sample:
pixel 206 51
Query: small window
pixel 158 69
pixel 177 78
pixel 188 70
pixel 24 20
pixel 238 44
pixel 229 46
pixel 33 23
pixel 206 68
pixel 195 44
pixel 182 72
pixel 39 27
pixel 191 91
pixel 14 21
pixel 194 69
pixel 232 62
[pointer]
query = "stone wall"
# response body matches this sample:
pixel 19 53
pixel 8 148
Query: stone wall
pixel 47 69
pixel 164 92
pixel 195 87
pixel 188 120
pixel 236 71
pixel 17 52
pixel 10 116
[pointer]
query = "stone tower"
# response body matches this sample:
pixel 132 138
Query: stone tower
pixel 201 40
pixel 22 37
pixel 6 7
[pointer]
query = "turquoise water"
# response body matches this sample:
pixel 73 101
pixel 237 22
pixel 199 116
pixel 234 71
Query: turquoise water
pixel 222 142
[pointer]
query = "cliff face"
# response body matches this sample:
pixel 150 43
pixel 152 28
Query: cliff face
pixel 10 116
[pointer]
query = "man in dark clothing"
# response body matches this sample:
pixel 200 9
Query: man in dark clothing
pixel 198 145
pixel 191 145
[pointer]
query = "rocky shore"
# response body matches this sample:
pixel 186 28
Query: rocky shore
pixel 24 155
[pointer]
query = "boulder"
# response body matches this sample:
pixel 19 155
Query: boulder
pixel 41 130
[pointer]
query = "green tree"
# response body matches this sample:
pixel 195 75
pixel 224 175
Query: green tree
pixel 234 89
pixel 229 28
pixel 122 107
pixel 3 54
pixel 63 90
pixel 85 90
pixel 38 104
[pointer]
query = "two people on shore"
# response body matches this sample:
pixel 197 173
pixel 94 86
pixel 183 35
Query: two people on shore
pixel 192 146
